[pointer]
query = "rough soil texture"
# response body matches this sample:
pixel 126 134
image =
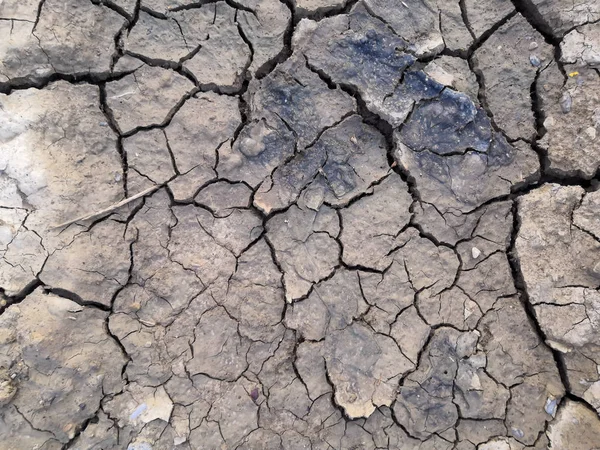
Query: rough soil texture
pixel 367 224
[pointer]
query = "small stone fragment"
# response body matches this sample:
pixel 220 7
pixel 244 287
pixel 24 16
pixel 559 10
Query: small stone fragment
pixel 550 407
pixel 566 102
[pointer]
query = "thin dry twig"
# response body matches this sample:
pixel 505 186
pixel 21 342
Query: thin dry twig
pixel 109 209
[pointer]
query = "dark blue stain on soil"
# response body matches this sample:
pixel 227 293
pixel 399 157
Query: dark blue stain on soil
pixel 501 153
pixel 372 46
pixel 286 96
pixel 448 124
pixel 419 85
pixel 371 57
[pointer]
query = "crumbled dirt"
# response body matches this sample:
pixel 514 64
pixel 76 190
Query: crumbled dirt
pixel 364 224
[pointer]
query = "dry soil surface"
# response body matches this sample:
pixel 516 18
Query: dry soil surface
pixel 367 224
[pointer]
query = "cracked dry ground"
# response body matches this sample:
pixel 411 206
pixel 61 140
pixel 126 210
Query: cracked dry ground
pixel 363 224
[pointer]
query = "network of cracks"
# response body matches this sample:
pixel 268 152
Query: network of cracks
pixel 309 224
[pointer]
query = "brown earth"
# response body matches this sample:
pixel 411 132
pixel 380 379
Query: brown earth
pixel 367 224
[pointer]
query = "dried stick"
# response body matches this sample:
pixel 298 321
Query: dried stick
pixel 109 209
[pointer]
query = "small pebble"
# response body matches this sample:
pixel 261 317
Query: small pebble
pixel 178 440
pixel 533 45
pixel 117 177
pixel 475 252
pixel 550 407
pixel 147 322
pixel 535 61
pixel 138 411
pixel 517 433
pixel 103 124
pixel 566 102
pixel 591 132
pixel 139 446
